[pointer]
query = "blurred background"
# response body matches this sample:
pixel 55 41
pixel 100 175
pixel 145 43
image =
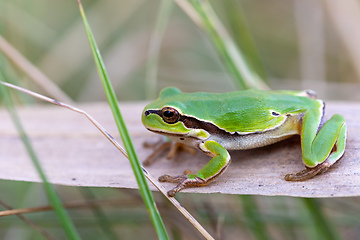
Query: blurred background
pixel 298 44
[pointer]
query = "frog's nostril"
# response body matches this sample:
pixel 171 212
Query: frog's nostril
pixel 146 113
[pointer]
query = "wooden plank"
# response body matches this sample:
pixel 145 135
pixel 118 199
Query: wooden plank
pixel 73 152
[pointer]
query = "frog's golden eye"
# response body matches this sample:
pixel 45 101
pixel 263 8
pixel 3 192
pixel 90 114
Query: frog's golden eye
pixel 170 115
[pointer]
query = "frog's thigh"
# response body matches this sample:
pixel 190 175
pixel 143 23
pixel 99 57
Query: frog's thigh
pixel 217 165
pixel 328 144
pixel 340 142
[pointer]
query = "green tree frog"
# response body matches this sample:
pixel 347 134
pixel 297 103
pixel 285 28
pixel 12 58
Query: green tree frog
pixel 217 122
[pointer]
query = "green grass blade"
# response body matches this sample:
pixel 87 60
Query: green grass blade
pixel 135 164
pixel 322 224
pixel 252 215
pixel 50 191
pixel 242 36
pixel 103 221
pixel 234 60
pixel 154 48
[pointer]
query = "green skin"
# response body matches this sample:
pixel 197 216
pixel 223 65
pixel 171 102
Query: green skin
pixel 215 123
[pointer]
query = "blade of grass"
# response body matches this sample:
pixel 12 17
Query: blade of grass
pixel 252 215
pixel 50 191
pixel 242 36
pixel 154 48
pixel 102 220
pixel 201 12
pixel 323 226
pixel 38 77
pixel 129 147
pixel 69 205
pixel 31 223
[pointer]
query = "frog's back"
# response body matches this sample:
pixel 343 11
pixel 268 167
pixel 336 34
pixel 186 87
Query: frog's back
pixel 244 111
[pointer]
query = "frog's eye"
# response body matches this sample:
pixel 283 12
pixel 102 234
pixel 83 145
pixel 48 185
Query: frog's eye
pixel 170 115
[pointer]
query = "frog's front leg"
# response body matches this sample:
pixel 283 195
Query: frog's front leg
pixel 320 149
pixel 212 170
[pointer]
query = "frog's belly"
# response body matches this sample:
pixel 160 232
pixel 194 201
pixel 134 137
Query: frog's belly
pixel 250 141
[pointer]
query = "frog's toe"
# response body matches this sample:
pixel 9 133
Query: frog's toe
pixel 183 182
pixel 171 193
pixel 178 147
pixel 186 183
pixel 161 147
pixel 308 172
pixel 173 179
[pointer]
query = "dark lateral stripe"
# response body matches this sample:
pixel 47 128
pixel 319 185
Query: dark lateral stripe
pixel 193 123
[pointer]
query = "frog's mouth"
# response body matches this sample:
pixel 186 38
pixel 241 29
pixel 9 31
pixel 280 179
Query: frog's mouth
pixel 197 134
pixel 185 134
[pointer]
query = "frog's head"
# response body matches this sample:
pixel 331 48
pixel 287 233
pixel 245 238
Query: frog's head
pixel 166 115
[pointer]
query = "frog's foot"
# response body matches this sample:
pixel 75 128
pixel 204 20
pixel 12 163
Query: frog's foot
pixel 184 181
pixel 308 172
pixel 211 171
pixel 162 146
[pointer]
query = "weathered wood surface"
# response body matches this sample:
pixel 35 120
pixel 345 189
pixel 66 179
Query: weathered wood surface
pixel 73 152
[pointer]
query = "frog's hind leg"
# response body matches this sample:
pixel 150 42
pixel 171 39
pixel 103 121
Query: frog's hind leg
pixel 324 150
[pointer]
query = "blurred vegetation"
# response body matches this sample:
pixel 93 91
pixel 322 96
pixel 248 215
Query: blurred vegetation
pixel 299 44
pixel 51 36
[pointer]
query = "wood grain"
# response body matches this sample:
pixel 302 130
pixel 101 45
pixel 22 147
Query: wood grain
pixel 73 152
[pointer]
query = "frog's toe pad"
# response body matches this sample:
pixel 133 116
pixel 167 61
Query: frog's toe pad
pixel 308 172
